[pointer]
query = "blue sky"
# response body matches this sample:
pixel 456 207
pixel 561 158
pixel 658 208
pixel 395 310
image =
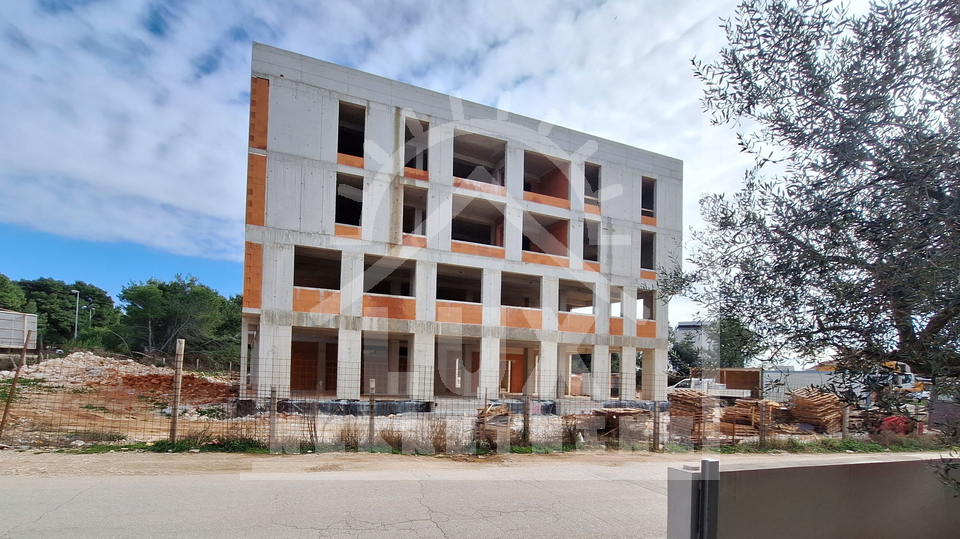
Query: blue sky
pixel 123 148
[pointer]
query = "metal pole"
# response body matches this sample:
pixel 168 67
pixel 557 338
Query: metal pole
pixel 177 386
pixel 13 383
pixel 274 447
pixel 76 315
pixel 709 495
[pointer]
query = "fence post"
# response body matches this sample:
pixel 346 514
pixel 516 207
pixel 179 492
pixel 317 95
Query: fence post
pixel 525 438
pixel 845 421
pixel 655 441
pixel 274 446
pixel 177 386
pixel 13 383
pixel 373 412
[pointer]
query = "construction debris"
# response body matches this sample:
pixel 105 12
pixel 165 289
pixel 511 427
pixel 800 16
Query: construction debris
pixel 819 409
pixel 692 414
pixel 493 424
pixel 747 416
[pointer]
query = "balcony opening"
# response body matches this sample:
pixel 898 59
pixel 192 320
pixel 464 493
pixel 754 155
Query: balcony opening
pixel 616 302
pixel 385 361
pixel 591 241
pixel 388 276
pixel 313 363
pixel 518 367
pixel 478 158
pixel 414 210
pixel 316 268
pixel 575 297
pixel 415 144
pixel 646 310
pixel 349 200
pixel 518 290
pixel 647 250
pixel 476 220
pixel 457 283
pixel 350 134
pixel 542 234
pixel 457 366
pixel 546 176
pixel 648 197
pixel 591 188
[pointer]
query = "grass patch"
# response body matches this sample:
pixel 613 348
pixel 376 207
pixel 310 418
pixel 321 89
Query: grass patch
pixel 94 407
pixel 227 445
pixel 22 384
pixel 890 443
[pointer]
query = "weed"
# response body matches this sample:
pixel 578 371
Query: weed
pixel 94 408
pixel 97 436
pixel 214 412
pixel 23 384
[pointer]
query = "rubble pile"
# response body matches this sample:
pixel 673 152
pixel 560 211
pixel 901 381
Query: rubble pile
pixel 86 368
pixel 193 390
pixel 816 408
pixel 692 414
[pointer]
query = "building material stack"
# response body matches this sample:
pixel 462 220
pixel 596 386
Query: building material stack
pixel 692 414
pixel 746 416
pixel 817 408
pixel 493 424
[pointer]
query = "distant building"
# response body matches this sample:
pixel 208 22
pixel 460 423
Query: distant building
pixel 696 331
pixel 442 248
pixel 13 330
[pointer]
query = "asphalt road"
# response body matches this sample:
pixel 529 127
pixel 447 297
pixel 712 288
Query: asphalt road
pixel 607 497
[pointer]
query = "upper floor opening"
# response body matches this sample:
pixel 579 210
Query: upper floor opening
pixel 316 268
pixel 519 290
pixel 350 132
pixel 543 234
pixel 575 297
pixel 648 197
pixel 389 276
pixel 476 220
pixel 349 205
pixel 458 283
pixel 591 185
pixel 546 176
pixel 415 148
pixel 478 158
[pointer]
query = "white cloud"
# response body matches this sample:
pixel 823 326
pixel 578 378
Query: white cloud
pixel 115 132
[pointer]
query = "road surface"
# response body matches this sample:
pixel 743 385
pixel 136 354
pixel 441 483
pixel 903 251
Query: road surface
pixel 147 495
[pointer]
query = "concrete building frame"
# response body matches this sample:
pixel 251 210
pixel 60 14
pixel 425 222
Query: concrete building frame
pixel 430 247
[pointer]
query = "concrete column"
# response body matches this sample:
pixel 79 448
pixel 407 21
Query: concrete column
pixel 601 306
pixel 513 232
pixel 329 128
pixel 245 326
pixel 600 373
pixel 467 376
pixel 422 366
pixel 393 367
pixel 439 214
pixel 351 284
pixel 489 368
pixel 628 373
pixel 277 276
pixel 425 287
pixel 549 301
pixel 576 186
pixel 531 357
pixel 575 250
pixel 548 366
pixel 378 202
pixel 381 139
pixel 273 365
pixel 654 384
pixel 629 311
pixel 513 173
pixel 490 295
pixel 349 356
pixel 440 155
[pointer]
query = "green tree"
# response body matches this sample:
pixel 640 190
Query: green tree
pixel 56 307
pixel 683 355
pixel 11 295
pixel 157 313
pixel 733 345
pixel 852 243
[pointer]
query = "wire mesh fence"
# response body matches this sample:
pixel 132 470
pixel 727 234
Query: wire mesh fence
pixel 86 399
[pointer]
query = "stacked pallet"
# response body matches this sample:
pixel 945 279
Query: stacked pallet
pixel 746 416
pixel 817 408
pixel 691 414
pixel 493 423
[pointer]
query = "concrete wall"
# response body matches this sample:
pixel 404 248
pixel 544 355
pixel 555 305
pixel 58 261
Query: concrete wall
pixel 874 500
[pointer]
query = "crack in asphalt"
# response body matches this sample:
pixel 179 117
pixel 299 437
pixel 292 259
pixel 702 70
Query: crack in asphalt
pixel 45 513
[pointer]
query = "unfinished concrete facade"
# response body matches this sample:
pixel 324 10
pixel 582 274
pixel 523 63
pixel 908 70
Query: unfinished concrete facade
pixel 433 247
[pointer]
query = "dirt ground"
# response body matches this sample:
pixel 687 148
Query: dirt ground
pixel 142 463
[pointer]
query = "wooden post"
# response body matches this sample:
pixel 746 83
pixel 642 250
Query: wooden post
pixel 763 423
pixel 525 438
pixel 373 412
pixel 655 441
pixel 13 383
pixel 177 386
pixel 845 421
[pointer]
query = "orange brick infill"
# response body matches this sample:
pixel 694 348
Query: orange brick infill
pixel 252 275
pixel 259 107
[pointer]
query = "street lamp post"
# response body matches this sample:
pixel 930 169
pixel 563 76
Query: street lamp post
pixel 76 315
